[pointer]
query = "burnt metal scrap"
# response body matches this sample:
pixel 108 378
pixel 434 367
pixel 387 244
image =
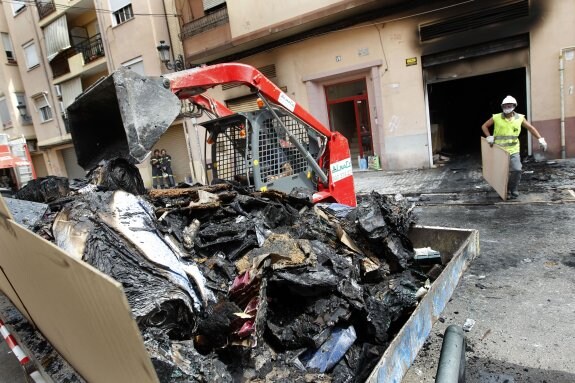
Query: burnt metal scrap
pixel 44 189
pixel 227 285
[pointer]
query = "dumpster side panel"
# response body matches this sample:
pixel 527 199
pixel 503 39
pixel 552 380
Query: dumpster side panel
pixel 461 246
pixel 82 312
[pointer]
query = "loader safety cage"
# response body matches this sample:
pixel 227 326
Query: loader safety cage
pixel 255 149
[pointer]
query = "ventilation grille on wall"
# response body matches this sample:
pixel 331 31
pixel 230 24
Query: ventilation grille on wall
pixel 269 71
pixel 473 20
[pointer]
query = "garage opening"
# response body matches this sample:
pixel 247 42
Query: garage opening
pixel 458 108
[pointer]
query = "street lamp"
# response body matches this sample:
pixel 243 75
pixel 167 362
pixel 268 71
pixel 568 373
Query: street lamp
pixel 164 53
pixel 22 109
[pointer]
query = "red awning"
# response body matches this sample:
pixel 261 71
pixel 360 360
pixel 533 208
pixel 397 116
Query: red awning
pixel 10 161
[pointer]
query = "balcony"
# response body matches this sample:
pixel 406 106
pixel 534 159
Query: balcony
pixel 45 8
pixel 91 49
pixel 210 21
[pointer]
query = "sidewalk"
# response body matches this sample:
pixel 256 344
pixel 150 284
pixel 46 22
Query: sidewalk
pixel 462 181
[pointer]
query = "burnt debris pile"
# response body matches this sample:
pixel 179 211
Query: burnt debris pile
pixel 228 285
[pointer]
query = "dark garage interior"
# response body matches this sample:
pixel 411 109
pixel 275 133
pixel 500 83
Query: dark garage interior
pixel 459 107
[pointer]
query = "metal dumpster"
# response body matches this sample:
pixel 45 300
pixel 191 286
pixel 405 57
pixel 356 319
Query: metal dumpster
pixel 63 304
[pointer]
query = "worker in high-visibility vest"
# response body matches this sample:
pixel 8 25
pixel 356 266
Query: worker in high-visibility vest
pixel 506 134
pixel 167 173
pixel 157 177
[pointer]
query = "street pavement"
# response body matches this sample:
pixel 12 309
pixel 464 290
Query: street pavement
pixel 519 291
pixel 10 370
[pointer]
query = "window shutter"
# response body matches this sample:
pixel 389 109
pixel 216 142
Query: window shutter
pixel 209 4
pixel 41 102
pixel 5 114
pixel 31 56
pixel 136 65
pixel 17 5
pixel 57 37
pixel 8 48
pixel 119 4
pixel 70 90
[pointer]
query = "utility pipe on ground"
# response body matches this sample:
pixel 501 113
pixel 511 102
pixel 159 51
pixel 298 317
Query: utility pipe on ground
pixel 451 368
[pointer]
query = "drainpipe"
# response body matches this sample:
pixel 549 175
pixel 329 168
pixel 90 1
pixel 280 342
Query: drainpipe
pixel 561 93
pixel 169 33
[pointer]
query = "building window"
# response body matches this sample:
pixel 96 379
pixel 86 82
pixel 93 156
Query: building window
pixel 31 55
pixel 43 107
pixel 5 114
pixel 7 42
pixel 18 6
pixel 135 65
pixel 121 10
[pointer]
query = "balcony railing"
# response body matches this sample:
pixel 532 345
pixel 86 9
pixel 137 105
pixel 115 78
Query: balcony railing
pixel 210 21
pixel 91 49
pixel 45 7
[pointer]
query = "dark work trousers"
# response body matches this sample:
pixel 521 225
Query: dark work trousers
pixel 514 173
pixel 157 178
pixel 168 175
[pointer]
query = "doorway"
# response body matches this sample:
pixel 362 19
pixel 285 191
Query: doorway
pixel 348 111
pixel 458 108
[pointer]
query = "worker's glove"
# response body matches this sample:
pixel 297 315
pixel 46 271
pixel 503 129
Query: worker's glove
pixel 490 140
pixel 543 144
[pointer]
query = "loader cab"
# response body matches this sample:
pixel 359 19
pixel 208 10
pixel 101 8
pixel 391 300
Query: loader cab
pixel 254 148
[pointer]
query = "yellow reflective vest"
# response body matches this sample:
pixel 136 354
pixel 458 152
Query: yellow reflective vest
pixel 506 132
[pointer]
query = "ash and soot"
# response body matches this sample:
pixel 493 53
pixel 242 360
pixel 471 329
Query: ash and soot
pixel 229 285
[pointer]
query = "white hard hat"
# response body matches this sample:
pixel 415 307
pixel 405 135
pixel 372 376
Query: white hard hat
pixel 509 100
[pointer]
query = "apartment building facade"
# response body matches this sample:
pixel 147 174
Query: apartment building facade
pixel 56 49
pixel 404 80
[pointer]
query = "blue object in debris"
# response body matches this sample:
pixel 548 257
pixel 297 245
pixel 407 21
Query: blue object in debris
pixel 363 164
pixel 339 210
pixel 329 353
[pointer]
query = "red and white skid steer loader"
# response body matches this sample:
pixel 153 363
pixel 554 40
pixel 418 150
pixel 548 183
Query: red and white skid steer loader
pixel 281 146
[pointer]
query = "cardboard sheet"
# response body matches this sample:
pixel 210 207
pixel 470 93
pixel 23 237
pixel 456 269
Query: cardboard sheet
pixel 5 216
pixel 495 161
pixel 82 312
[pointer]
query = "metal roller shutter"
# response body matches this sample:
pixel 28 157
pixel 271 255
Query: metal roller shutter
pixel 39 165
pixel 174 141
pixel 243 104
pixel 71 162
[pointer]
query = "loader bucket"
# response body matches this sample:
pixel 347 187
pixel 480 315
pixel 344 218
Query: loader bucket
pixel 122 115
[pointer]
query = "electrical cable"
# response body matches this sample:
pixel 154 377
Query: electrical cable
pixel 97 10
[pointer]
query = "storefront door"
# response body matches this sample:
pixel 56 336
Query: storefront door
pixel 348 111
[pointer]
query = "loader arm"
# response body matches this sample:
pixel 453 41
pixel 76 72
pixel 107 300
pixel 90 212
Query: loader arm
pixel 209 104
pixel 337 184
pixel 192 82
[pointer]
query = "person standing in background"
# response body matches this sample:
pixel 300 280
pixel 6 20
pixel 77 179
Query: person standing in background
pixel 157 178
pixel 506 132
pixel 166 161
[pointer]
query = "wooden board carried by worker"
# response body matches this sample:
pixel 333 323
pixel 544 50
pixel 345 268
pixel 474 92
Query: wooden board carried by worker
pixel 82 312
pixel 495 161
